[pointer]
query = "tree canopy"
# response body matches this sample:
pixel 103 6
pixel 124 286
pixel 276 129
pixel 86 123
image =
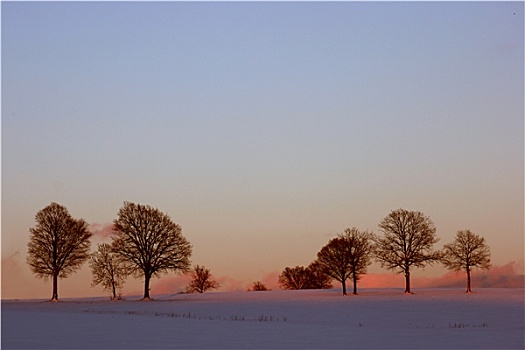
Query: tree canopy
pixel 318 279
pixel 359 252
pixel 108 269
pixel 258 286
pixel 334 260
pixel 300 277
pixel 297 277
pixel 150 241
pixel 58 244
pixel 407 242
pixel 201 280
pixel 468 250
pixel 345 256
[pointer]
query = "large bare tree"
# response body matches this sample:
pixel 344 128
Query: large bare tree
pixel 201 280
pixel 468 250
pixel 108 269
pixel 334 261
pixel 150 242
pixel 58 244
pixel 360 252
pixel 347 255
pixel 407 242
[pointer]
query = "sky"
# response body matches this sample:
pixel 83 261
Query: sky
pixel 263 129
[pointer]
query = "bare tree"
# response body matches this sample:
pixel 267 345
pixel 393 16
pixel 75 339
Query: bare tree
pixel 149 241
pixel 201 280
pixel 300 277
pixel 334 261
pixel 468 250
pixel 294 278
pixel 108 269
pixel 360 252
pixel 317 279
pixel 58 245
pixel 258 286
pixel 407 242
pixel 346 256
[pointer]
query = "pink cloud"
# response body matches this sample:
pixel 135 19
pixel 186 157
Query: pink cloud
pixel 506 276
pixel 11 265
pixel 381 280
pixel 230 284
pixel 270 280
pixel 509 275
pixel 17 277
pixel 102 231
pixel 450 279
pixel 170 285
pixel 177 284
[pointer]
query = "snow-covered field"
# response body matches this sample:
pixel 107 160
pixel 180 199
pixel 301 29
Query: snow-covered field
pixel 315 319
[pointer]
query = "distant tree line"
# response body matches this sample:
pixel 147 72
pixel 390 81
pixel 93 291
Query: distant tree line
pixel 406 242
pixel 147 243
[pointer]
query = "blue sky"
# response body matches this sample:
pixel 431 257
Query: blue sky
pixel 265 128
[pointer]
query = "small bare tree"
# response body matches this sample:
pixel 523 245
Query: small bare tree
pixel 201 280
pixel 468 250
pixel 150 242
pixel 108 270
pixel 407 242
pixel 258 286
pixel 59 244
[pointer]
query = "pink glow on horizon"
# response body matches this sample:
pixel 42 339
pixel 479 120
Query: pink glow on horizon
pixel 167 285
pixel 18 282
pixel 509 275
pixel 381 280
pixel 270 280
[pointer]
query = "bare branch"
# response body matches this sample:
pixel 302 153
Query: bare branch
pixel 467 251
pixel 346 256
pixel 299 277
pixel 407 242
pixel 150 241
pixel 58 244
pixel 201 280
pixel 108 269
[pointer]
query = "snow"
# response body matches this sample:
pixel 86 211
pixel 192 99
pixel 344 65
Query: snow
pixel 314 319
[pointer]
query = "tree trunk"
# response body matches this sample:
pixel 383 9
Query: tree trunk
pixel 355 284
pixel 55 286
pixel 407 281
pixel 468 280
pixel 113 289
pixel 344 286
pixel 146 286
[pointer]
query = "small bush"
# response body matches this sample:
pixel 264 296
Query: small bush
pixel 258 286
